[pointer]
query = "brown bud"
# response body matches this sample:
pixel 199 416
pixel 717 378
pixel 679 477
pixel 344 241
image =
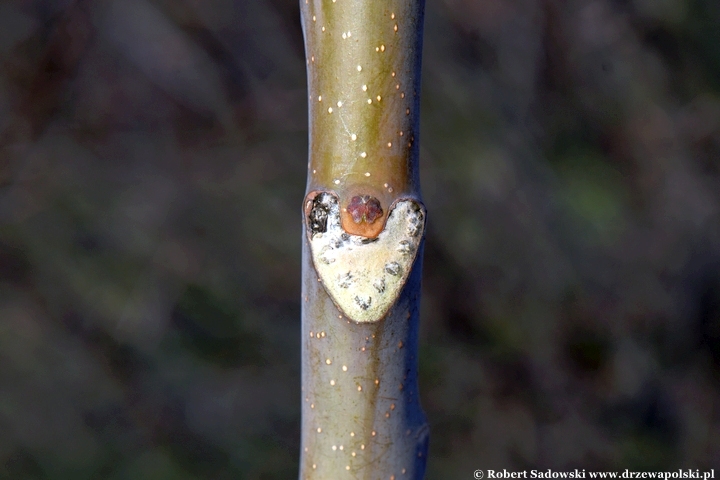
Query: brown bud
pixel 364 208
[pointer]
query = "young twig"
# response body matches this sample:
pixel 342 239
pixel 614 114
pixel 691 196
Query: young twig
pixel 364 228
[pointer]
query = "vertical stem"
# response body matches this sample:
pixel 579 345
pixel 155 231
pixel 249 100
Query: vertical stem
pixel 362 245
pixel 370 419
pixel 363 63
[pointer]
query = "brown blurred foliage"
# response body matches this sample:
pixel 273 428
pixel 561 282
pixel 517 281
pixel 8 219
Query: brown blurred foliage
pixel 152 165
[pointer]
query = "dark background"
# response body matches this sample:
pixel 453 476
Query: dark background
pixel 152 167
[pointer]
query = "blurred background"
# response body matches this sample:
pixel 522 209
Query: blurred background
pixel 152 167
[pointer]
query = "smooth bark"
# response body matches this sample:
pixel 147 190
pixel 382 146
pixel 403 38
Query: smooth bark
pixel 364 227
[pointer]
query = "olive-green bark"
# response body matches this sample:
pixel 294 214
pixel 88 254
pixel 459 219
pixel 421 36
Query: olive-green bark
pixel 363 60
pixel 361 416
